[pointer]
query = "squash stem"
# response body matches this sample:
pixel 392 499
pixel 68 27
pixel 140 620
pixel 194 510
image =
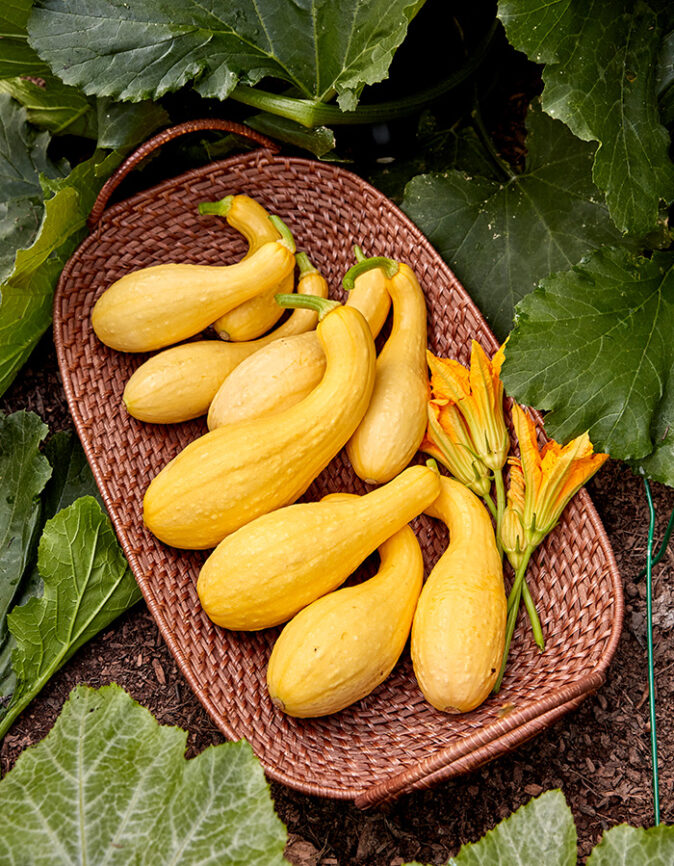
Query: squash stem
pixel 286 235
pixel 489 502
pixel 322 306
pixel 217 208
pixel 513 609
pixel 358 253
pixel 315 112
pixel 304 264
pixel 500 507
pixel 389 267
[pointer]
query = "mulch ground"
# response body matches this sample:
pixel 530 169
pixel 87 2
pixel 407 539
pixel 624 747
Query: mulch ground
pixel 598 755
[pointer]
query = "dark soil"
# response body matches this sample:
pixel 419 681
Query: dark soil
pixel 598 755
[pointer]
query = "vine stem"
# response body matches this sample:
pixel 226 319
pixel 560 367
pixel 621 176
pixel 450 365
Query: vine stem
pixel 649 639
pixel 513 609
pixel 500 507
pixel 314 112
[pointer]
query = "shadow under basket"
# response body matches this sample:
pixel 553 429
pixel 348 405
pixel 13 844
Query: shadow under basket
pixel 392 741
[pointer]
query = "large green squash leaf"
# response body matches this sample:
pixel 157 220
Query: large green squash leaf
pixel 601 61
pixel 87 584
pixel 108 785
pixel 593 346
pixel 54 211
pixel 501 236
pixel 629 846
pixel 138 50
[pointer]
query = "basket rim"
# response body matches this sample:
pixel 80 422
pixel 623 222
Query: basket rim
pixel 529 721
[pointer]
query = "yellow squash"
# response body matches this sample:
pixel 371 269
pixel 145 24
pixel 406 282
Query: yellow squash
pixel 228 477
pixel 180 383
pixel 458 632
pixel 394 425
pixel 343 645
pixel 163 304
pixel 267 571
pixel 257 315
pixel 262 385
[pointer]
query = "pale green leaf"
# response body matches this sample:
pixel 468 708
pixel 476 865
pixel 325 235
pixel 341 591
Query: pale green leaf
pixel 601 60
pixel 23 158
pixel 540 833
pixel 53 105
pixel 139 50
pixel 87 584
pixel 25 313
pixel 501 236
pixel 593 346
pixel 110 786
pixel 635 846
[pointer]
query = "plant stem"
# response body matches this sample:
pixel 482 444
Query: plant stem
pixel 313 112
pixel 663 547
pixel 536 627
pixel 513 609
pixel 489 502
pixel 649 639
pixel 500 507
pixel 500 164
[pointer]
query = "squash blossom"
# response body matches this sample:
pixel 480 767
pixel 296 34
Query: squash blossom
pixel 513 534
pixel 448 440
pixel 550 478
pixel 478 395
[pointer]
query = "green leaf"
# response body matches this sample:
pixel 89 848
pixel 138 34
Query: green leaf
pixel 541 833
pixel 27 293
pixel 23 158
pixel 593 346
pixel 23 475
pixel 53 105
pixel 139 50
pixel 600 79
pixel 665 81
pixel 108 785
pixel 17 57
pixel 87 584
pixel 501 236
pixel 121 126
pixel 71 474
pixel 629 846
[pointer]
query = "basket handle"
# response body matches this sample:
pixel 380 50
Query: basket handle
pixel 152 144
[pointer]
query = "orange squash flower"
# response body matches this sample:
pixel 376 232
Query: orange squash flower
pixel 513 534
pixel 551 476
pixel 448 440
pixel 478 395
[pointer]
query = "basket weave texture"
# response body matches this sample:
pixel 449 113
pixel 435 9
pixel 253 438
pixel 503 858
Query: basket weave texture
pixel 392 741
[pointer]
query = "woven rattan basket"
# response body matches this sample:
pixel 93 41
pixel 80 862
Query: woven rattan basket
pixel 392 741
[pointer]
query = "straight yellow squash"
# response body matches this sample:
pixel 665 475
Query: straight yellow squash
pixel 267 571
pixel 234 474
pixel 458 632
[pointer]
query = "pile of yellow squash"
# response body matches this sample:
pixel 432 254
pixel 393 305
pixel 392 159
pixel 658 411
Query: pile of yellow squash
pixel 280 407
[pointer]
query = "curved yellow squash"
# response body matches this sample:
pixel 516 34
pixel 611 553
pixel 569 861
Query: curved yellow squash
pixel 180 383
pixel 164 304
pixel 343 645
pixel 257 387
pixel 257 315
pixel 228 477
pixel 394 425
pixel 268 570
pixel 458 632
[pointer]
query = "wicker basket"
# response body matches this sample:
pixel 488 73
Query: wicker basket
pixel 392 741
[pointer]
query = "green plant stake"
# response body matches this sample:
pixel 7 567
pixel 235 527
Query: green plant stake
pixel 649 639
